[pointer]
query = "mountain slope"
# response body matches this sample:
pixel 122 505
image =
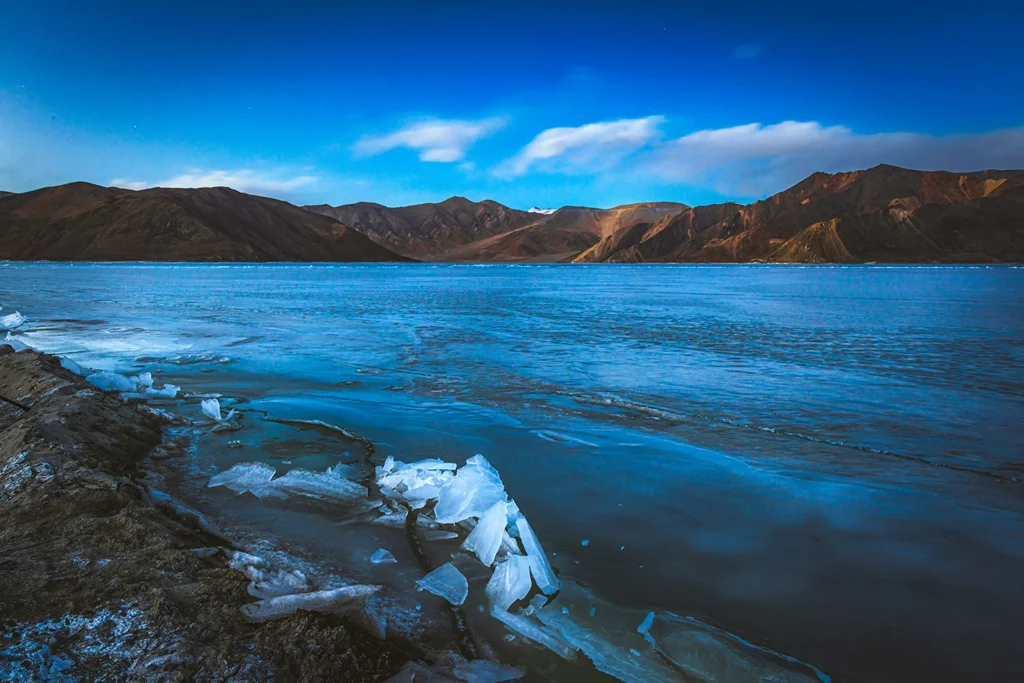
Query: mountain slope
pixel 80 221
pixel 428 230
pixel 563 234
pixel 881 214
pixel 460 230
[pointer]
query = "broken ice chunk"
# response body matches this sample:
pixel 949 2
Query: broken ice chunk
pixel 276 584
pixel 169 391
pixel 143 380
pixel 510 582
pixel 246 476
pixel 486 537
pixel 211 409
pixel 474 490
pixel 14 343
pixel 382 556
pixel 72 366
pixel 487 671
pixel 416 483
pixel 431 535
pixel 12 321
pixel 111 381
pixel 319 601
pixel 543 574
pixel 447 582
pixel 240 560
pixel 325 486
pixel 531 630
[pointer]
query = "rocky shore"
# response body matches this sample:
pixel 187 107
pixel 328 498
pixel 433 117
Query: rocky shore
pixel 100 582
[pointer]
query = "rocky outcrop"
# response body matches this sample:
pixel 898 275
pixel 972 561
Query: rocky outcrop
pixel 98 581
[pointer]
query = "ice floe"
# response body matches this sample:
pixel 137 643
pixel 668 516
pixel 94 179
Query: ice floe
pixel 447 582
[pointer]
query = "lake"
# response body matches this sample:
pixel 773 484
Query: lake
pixel 825 461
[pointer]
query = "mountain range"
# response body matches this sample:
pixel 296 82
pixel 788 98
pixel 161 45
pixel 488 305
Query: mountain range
pixel 882 214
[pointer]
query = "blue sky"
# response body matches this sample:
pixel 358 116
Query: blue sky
pixel 527 103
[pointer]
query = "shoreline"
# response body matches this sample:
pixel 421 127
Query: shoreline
pixel 97 576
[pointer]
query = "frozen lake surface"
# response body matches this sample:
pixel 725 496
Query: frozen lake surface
pixel 825 461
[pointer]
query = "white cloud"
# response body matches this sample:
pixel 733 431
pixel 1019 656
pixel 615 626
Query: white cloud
pixel 589 148
pixel 126 184
pixel 438 140
pixel 755 160
pixel 243 180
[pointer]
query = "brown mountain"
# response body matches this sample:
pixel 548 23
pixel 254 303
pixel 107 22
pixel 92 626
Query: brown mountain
pixel 80 221
pixel 562 235
pixel 5 194
pixel 881 214
pixel 428 230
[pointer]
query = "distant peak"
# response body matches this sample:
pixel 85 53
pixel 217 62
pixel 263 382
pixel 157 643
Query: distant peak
pixel 545 212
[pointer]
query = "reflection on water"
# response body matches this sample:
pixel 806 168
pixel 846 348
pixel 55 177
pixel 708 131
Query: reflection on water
pixel 824 461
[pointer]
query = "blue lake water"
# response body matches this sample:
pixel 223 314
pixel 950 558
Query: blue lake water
pixel 826 461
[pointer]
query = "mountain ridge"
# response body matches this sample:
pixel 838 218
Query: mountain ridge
pixel 81 221
pixel 884 213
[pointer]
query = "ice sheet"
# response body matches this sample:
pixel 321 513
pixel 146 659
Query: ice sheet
pixel 603 632
pixel 706 653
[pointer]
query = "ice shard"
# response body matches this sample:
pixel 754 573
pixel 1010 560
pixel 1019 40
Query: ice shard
pixel 541 569
pixel 531 630
pixel 510 582
pixel 324 486
pixel 320 601
pixel 111 381
pixel 72 366
pixel 475 489
pixel 486 538
pixel 447 582
pixel 211 409
pixel 246 476
pixel 382 556
pixel 266 584
pixel 12 321
pixel 416 483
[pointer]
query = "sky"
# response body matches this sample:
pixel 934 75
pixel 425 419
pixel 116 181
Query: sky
pixel 528 103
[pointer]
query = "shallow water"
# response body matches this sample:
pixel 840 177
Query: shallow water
pixel 823 460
